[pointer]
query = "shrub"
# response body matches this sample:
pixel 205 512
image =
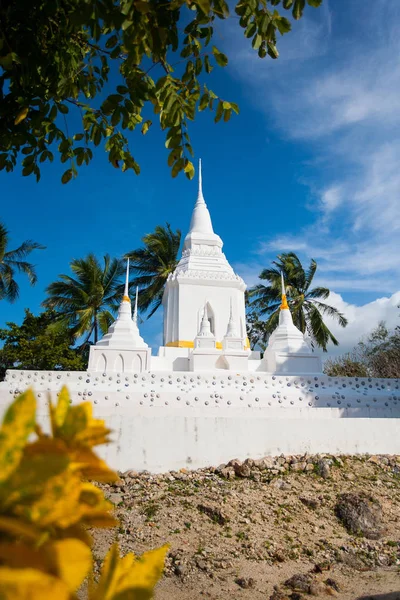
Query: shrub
pixel 47 503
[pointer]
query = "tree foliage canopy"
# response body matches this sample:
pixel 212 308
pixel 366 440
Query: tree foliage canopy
pixel 304 301
pixel 86 302
pixel 152 264
pixel 12 261
pixel 376 355
pixel 56 59
pixel 33 345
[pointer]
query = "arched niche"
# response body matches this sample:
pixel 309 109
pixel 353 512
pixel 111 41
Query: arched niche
pixel 119 364
pixel 101 363
pixel 210 315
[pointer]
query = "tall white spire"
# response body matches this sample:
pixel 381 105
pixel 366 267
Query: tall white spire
pixel 201 220
pixel 124 332
pixel 284 304
pixel 126 290
pixel 135 312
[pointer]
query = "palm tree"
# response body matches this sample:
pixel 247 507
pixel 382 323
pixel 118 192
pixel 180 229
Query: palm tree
pixel 305 304
pixel 86 302
pixel 152 264
pixel 12 261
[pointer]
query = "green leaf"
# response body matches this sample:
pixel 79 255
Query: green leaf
pixel 283 25
pixel 63 109
pixel 143 7
pixel 112 41
pixel 67 176
pixel 315 3
pixel 178 166
pixel 78 137
pixel 222 59
pixel 189 170
pixel 205 5
pixel 122 89
pixel 145 127
pixel 257 41
pixel 220 111
pixel 250 30
pixel 298 8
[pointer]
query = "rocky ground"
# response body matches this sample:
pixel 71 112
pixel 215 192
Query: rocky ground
pixel 275 528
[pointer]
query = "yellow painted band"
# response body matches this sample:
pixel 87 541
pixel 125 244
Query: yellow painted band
pixel 284 304
pixel 185 344
pixel 126 299
pixel 180 344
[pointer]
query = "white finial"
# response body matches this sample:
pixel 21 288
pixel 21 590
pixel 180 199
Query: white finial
pixel 283 284
pixel 126 290
pixel 205 330
pixel 231 331
pixel 200 197
pixel 135 312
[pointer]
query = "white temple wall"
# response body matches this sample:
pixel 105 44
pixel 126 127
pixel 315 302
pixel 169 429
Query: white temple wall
pixel 165 421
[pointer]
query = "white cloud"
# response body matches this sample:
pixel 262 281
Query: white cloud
pixel 335 88
pixel 362 319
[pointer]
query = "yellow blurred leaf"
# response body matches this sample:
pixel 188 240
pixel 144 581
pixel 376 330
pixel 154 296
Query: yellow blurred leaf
pixel 31 584
pixel 41 461
pixel 16 527
pixel 129 578
pixel 73 560
pixel 18 423
pixel 112 571
pixel 19 555
pixel 90 465
pixel 81 428
pixel 146 571
pixel 59 413
pixel 23 113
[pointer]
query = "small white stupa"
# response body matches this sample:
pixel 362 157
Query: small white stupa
pixel 122 349
pixel 287 350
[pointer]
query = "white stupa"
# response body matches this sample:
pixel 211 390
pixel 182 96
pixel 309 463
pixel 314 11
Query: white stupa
pixel 122 348
pixel 202 277
pixel 287 350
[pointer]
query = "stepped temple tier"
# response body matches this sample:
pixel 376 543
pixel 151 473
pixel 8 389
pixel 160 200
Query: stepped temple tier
pixel 206 397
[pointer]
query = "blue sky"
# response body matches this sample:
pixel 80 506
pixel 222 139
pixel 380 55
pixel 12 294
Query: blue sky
pixel 309 165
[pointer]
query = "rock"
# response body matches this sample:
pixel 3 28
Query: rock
pixel 213 513
pixel 300 582
pixel 115 498
pixel 332 584
pixel 298 466
pixel 296 596
pixel 227 473
pixel 316 589
pixel 309 502
pixel 242 469
pixel 280 484
pixel 249 462
pixel 180 570
pixel 324 469
pixel 309 467
pixel 245 582
pixel 360 515
pixel 256 475
pixel 201 564
pixel 278 595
